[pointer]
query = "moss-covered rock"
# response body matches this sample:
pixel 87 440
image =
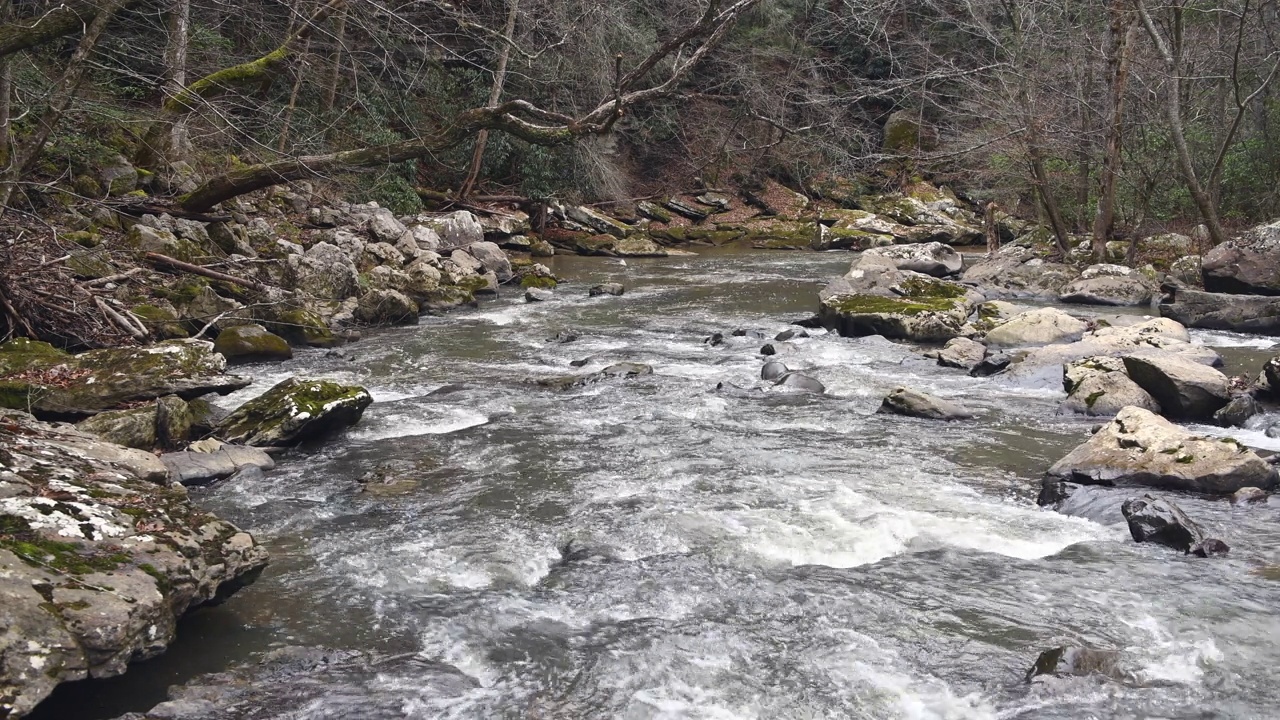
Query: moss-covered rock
pixel 41 380
pixel 388 307
pixel 609 245
pixel 174 420
pixel 538 281
pixel 876 298
pixel 294 411
pixel 301 327
pixel 249 343
pixel 135 428
pixel 161 321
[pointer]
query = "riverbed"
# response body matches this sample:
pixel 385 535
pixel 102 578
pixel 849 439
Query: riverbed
pixel 734 550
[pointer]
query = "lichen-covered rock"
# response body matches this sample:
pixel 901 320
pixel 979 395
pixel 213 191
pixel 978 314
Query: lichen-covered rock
pixel 294 411
pixel 1141 448
pixel 597 222
pixel 324 271
pixel 492 259
pixel 1045 326
pixel 386 307
pixel 875 298
pixel 1017 272
pixel 134 428
pixel 384 227
pixel 36 378
pixel 455 230
pixel 248 343
pixel 1105 392
pixel 99 557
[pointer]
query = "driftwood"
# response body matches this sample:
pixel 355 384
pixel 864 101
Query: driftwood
pixel 138 210
pixel 206 272
pixel 113 278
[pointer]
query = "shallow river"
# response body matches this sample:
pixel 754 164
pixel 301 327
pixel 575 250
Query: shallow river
pixel 746 554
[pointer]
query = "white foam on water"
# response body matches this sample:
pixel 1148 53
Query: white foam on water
pixel 444 420
pixel 1251 438
pixel 1168 658
pixel 1224 338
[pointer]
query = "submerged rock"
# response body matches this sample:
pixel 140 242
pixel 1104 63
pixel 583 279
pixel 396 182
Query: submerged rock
pixel 98 559
pixel 773 370
pixel 1159 521
pixel 247 343
pixel 1076 661
pixel 1141 448
pixel 615 289
pixel 621 370
pixel 294 411
pixel 802 382
pixel 912 403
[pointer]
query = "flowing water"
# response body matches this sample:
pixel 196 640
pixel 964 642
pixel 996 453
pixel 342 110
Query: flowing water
pixel 740 553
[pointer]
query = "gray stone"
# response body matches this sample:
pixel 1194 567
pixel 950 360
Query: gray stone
pixel 1076 662
pixel 912 403
pixel 324 272
pixel 773 370
pixel 1184 389
pixel 1217 311
pixel 386 307
pixel 932 258
pixel 249 343
pixel 615 289
pixel 384 227
pixel 492 259
pixel 1237 412
pixel 1140 448
pixel 294 411
pixel 876 298
pixel 201 468
pixel 455 230
pixel 1249 265
pixel 538 295
pixel 962 353
pixel 1159 521
pixel 1108 290
pixel 802 382
pixel 1046 326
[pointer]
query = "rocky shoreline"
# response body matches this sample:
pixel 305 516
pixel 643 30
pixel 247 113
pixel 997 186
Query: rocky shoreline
pixel 102 551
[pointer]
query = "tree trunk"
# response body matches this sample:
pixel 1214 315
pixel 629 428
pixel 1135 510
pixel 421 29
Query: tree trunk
pixel 1119 52
pixel 495 94
pixel 175 77
pixel 55 22
pixel 1040 177
pixel 335 65
pixel 6 98
pixel 990 229
pixel 60 97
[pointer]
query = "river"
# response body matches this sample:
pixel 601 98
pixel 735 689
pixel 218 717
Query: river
pixel 745 553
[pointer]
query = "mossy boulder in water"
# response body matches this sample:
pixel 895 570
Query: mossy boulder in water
pixel 39 379
pixel 294 411
pixel 299 326
pixel 876 298
pixel 246 343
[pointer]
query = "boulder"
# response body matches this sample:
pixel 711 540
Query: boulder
pixel 1140 448
pixel 1184 389
pixel 962 353
pixel 876 298
pixel 614 246
pixel 455 230
pixel 597 222
pixel 912 403
pixel 175 419
pixel 384 227
pixel 134 428
pixel 492 259
pixel 299 326
pixel 249 343
pixel 615 289
pixel 1217 311
pixel 98 560
pixel 294 411
pixel 773 370
pixel 1159 336
pixel 381 253
pixel 1076 662
pixel 1016 272
pixel 1106 393
pixel 1159 521
pixel 118 177
pixel 36 377
pixel 1046 326
pixel 1249 496
pixel 1249 265
pixel 1236 412
pixel 801 382
pixel 216 463
pixel 1108 290
pixel 386 307
pixel 623 370
pixel 1187 271
pixel 534 294
pixel 932 258
pixel 1097 503
pixel 324 271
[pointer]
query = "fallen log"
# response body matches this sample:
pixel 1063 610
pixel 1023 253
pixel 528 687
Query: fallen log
pixel 206 272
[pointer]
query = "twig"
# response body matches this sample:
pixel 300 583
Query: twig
pixel 113 278
pixel 122 322
pixel 211 274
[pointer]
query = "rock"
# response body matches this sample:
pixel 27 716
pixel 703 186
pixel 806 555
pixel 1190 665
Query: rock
pixel 1016 272
pixel 386 307
pixel 932 258
pixel 1187 270
pixel 118 177
pixel 135 428
pixel 786 335
pixel 505 224
pixel 418 239
pixel 1237 412
pixel 962 353
pixel 1046 326
pixel 534 294
pixel 294 411
pixel 1140 448
pixel 994 364
pixel 98 577
pixel 623 370
pixel 250 343
pixel 902 133
pixel 384 227
pixel 598 222
pixel 565 336
pixel 1108 290
pixel 324 271
pixel 802 382
pixel 773 370
pixel 912 403
pixel 1184 389
pixel 204 467
pixel 686 209
pixel 1249 496
pixel 455 230
pixel 1076 662
pixel 467 263
pixel 299 326
pixel 613 246
pixel 1097 503
pixel 768 349
pixel 492 259
pixel 615 289
pixel 1159 521
pixel 875 298
pixel 144 239
pixel 1216 311
pixel 1249 265
pixel 174 420
pixel 381 253
pixel 1159 336
pixel 64 385
pixel 1106 393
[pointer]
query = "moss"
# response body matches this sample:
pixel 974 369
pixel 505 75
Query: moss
pixel 67 557
pixel 1093 398
pixel 24 354
pixel 876 304
pixel 302 327
pixel 216 83
pixel 1185 459
pixel 161 321
pixel 920 287
pixel 183 291
pixel 473 283
pixel 538 281
pixel 162 582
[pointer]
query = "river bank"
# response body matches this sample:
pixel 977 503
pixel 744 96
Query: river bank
pixel 736 544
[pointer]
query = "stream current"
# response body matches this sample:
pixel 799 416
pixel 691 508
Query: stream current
pixel 747 553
